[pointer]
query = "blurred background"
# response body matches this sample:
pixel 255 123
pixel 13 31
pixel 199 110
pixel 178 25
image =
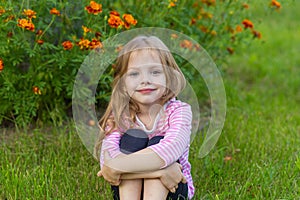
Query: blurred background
pixel 255 45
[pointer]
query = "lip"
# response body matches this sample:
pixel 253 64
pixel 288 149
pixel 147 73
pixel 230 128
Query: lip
pixel 146 90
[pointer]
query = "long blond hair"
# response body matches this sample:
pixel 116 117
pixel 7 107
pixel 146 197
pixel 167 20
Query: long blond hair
pixel 121 110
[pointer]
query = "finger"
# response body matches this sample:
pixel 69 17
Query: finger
pixel 173 190
pixel 118 183
pixel 99 173
pixel 180 167
pixel 115 183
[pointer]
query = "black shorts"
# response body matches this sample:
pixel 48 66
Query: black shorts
pixel 134 140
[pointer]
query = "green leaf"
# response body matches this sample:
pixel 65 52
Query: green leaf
pixel 298 163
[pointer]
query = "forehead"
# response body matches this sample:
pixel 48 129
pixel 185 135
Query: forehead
pixel 143 57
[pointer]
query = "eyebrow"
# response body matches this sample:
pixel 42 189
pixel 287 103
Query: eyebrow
pixel 154 65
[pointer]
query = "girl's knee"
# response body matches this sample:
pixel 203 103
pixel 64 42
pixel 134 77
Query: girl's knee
pixel 154 190
pixel 130 189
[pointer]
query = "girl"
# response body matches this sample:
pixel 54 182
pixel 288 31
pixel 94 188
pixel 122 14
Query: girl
pixel 145 149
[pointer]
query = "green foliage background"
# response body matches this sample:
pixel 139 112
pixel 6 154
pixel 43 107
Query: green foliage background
pixel 256 157
pixel 50 69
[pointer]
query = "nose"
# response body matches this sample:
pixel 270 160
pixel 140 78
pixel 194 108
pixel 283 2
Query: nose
pixel 145 79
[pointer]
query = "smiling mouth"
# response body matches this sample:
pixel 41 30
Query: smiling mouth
pixel 146 91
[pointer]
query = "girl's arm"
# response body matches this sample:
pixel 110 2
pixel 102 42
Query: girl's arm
pixel 169 176
pixel 141 161
pixel 139 164
pixel 144 160
pixel 160 155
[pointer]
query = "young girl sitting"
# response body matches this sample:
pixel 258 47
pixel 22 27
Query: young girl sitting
pixel 145 150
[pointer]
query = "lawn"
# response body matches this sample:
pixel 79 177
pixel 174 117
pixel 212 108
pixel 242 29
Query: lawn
pixel 255 157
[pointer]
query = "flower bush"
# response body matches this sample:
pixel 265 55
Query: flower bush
pixel 44 43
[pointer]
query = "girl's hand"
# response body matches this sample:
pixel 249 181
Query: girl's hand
pixel 171 176
pixel 111 175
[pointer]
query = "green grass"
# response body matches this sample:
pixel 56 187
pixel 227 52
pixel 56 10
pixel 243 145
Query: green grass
pixel 261 133
pixel 47 164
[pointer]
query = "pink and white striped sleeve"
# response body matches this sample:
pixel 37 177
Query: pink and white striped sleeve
pixel 111 145
pixel 177 137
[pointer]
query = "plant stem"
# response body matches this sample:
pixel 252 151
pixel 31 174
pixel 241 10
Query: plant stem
pixel 46 29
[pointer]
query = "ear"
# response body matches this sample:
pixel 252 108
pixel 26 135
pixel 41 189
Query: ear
pixel 180 82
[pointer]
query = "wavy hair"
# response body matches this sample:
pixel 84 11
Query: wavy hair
pixel 121 111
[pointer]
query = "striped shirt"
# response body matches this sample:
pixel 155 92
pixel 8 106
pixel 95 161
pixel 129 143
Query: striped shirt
pixel 175 125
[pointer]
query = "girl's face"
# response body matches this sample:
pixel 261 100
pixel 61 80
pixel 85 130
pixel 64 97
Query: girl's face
pixel 145 80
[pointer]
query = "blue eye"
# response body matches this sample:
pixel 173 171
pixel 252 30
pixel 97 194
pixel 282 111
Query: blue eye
pixel 133 74
pixel 156 72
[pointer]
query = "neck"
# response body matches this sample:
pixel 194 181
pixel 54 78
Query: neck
pixel 150 111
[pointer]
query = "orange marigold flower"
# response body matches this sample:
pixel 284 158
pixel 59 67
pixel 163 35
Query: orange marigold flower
pixel 86 29
pixel 29 13
pixel 276 4
pixel 95 43
pixel 67 45
pixel 193 21
pixel 171 4
pixel 119 48
pixel 203 29
pixel 2 11
pixel 174 36
pixel 84 43
pixel 94 8
pixel 186 44
pixel 95 5
pixel 36 90
pixel 114 20
pixel 245 5
pixel 238 29
pixel 256 34
pixel 209 2
pixel 247 23
pixel 27 24
pixel 54 11
pixel 129 20
pixel 9 18
pixel 230 50
pixel 40 42
pixel 1 65
pixel 39 32
pixel 114 13
pixel 98 34
pixel 197 47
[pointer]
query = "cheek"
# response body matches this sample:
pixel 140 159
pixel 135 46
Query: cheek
pixel 161 81
pixel 130 86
